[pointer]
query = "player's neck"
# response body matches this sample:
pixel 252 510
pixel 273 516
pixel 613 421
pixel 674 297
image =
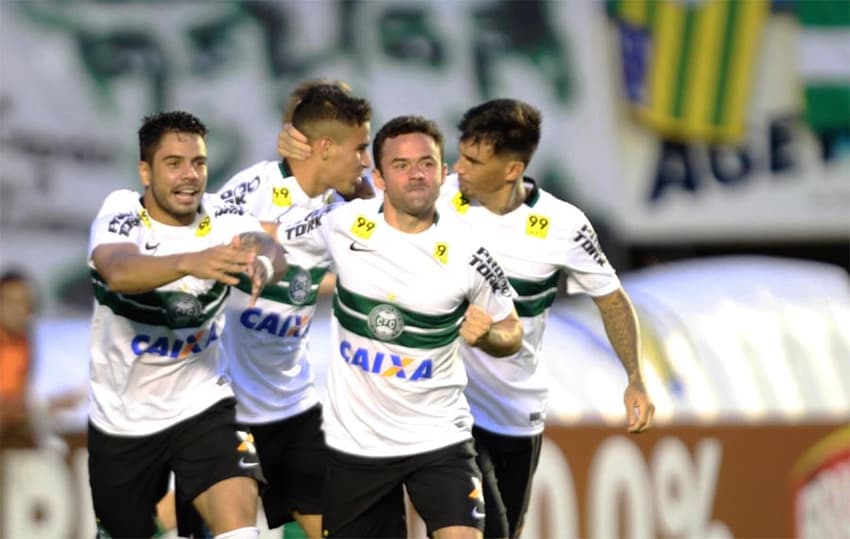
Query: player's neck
pixel 505 200
pixel 163 216
pixel 307 177
pixel 407 223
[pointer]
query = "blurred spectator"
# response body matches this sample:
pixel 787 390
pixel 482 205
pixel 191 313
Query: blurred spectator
pixel 17 313
pixel 26 419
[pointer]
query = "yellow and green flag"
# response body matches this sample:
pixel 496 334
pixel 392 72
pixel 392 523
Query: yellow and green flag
pixel 688 64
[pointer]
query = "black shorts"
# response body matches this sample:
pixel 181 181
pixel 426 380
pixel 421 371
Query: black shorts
pixel 508 464
pixel 364 497
pixel 129 474
pixel 294 457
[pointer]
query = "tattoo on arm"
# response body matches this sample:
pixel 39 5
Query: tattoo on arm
pixel 621 325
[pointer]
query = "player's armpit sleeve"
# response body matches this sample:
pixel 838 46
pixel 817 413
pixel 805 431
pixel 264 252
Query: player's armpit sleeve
pixel 113 228
pixel 587 267
pixel 490 288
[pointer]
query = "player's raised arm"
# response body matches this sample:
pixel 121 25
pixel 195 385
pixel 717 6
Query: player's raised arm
pixel 125 270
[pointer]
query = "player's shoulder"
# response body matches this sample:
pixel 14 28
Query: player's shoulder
pixel 541 201
pixel 449 189
pixel 451 182
pixel 250 180
pixel 458 233
pixel 121 201
pixel 216 206
pixel 366 207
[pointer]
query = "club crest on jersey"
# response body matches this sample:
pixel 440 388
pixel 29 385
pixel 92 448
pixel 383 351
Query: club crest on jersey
pixel 299 286
pixel 183 311
pixel 386 322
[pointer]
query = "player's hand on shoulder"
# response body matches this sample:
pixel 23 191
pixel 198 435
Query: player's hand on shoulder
pixel 476 325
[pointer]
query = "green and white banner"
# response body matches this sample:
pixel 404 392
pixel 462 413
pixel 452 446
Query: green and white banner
pixel 825 62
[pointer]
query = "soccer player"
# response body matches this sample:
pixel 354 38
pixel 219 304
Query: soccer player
pixel 409 282
pixel 265 345
pixel 535 237
pixel 162 266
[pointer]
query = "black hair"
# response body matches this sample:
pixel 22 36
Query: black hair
pixel 509 125
pixel 404 125
pixel 155 126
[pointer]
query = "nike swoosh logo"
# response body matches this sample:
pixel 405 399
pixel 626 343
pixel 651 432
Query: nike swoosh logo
pixel 245 464
pixel 360 247
pixel 150 247
pixel 477 514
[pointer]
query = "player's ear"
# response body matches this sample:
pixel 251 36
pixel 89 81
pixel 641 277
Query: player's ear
pixel 444 173
pixel 514 170
pixel 325 146
pixel 378 179
pixel 145 173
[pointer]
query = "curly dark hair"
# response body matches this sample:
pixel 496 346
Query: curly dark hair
pixel 155 126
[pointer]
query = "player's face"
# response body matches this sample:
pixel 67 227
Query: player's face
pixel 349 158
pixel 16 307
pixel 412 173
pixel 479 171
pixel 177 179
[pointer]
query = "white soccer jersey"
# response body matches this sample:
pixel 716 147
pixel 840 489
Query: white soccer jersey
pixel 265 346
pixel 395 380
pixel 533 243
pixel 155 355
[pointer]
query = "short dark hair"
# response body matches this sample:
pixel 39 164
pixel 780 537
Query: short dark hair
pixel 155 126
pixel 405 125
pixel 509 125
pixel 301 90
pixel 329 102
pixel 14 275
